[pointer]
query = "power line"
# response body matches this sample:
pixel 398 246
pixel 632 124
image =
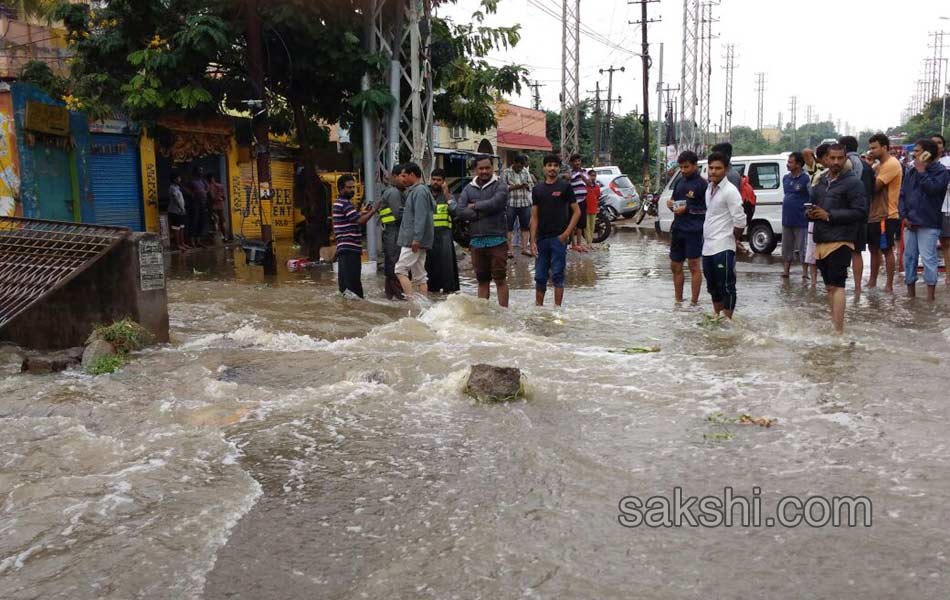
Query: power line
pixel 583 30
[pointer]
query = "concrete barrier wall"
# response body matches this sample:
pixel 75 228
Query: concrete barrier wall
pixel 109 290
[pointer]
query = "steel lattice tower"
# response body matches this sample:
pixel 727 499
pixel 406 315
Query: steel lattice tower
pixel 705 106
pixel 570 77
pixel 938 61
pixel 730 72
pixel 760 91
pixel 809 113
pixel 688 74
pixel 793 113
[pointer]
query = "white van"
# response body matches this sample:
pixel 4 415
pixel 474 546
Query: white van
pixel 765 175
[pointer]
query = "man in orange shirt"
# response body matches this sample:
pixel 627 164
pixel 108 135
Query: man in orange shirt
pixel 883 217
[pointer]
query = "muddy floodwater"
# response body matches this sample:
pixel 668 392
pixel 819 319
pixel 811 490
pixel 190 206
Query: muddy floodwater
pixel 293 444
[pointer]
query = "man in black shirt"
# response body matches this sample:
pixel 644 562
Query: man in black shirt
pixel 554 214
pixel 688 204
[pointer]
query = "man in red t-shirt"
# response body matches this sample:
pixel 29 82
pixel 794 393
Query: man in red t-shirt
pixel 591 206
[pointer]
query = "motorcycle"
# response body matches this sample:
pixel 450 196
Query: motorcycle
pixel 648 207
pixel 602 225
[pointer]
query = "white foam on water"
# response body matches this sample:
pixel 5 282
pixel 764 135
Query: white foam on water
pixel 248 336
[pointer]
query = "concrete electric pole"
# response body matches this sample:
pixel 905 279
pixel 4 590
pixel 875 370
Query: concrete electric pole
pixel 760 92
pixel 730 74
pixel 644 21
pixel 536 86
pixel 610 109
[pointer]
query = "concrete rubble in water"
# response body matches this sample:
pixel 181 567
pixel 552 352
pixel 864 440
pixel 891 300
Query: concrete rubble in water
pixel 487 383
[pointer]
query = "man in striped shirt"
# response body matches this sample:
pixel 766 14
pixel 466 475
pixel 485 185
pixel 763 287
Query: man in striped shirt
pixel 347 228
pixel 579 185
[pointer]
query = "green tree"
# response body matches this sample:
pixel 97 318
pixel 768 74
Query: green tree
pixel 626 146
pixel 39 74
pixel 806 136
pixel 747 141
pixel 38 10
pixel 926 123
pixel 466 86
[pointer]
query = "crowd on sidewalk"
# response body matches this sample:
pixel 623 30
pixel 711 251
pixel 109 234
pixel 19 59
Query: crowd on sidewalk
pixel 417 220
pixel 837 205
pixel 195 209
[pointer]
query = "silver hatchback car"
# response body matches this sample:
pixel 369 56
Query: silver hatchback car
pixel 619 194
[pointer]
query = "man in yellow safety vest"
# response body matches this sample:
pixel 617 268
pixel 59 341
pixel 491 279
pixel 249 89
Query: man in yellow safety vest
pixel 390 216
pixel 441 263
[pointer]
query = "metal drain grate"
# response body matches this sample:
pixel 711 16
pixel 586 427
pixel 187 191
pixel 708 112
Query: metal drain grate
pixel 39 257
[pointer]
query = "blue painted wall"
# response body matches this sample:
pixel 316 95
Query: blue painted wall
pixel 79 130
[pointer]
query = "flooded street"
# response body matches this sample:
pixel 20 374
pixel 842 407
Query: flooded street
pixel 293 444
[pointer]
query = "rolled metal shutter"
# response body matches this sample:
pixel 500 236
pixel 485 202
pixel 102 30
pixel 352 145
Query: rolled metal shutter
pixel 114 174
pixel 282 204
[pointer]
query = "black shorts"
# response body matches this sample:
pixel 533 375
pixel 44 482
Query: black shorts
pixel 582 222
pixel 861 241
pixel 176 221
pixel 834 267
pixel 685 245
pixel 888 238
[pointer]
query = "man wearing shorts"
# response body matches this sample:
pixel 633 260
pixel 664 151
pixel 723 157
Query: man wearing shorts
pixel 838 212
pixel 884 223
pixel 794 224
pixel 519 182
pixel 177 213
pixel 688 204
pixel 722 230
pixel 416 232
pixel 482 204
pixel 554 213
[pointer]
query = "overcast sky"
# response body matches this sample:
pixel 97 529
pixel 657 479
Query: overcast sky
pixel 874 53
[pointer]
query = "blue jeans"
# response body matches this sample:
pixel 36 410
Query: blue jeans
pixel 552 256
pixel 921 243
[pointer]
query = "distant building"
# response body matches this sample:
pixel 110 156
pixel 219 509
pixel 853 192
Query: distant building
pixel 772 135
pixel 519 130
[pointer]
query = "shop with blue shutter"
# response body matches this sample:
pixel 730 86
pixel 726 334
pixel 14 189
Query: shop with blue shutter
pixel 115 174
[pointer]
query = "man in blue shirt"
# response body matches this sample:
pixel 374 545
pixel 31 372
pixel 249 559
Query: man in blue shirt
pixel 688 204
pixel 794 223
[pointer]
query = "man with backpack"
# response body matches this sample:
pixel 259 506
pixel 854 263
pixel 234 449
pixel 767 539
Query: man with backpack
pixel 866 177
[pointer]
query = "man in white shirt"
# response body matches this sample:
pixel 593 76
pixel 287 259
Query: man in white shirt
pixel 945 230
pixel 724 224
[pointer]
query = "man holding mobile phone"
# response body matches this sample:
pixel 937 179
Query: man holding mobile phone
pixel 920 209
pixel 688 204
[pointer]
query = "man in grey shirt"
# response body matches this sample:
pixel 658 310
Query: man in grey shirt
pixel 416 232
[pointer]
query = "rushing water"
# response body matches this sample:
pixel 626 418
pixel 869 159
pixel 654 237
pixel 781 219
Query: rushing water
pixel 291 444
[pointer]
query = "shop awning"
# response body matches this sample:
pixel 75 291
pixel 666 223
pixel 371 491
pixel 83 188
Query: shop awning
pixel 523 141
